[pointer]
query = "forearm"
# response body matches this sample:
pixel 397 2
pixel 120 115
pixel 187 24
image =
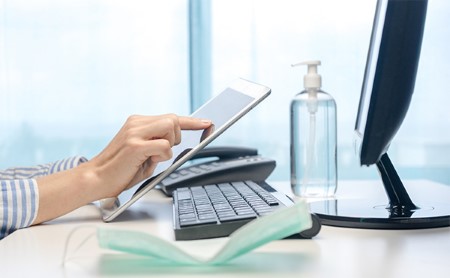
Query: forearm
pixel 65 191
pixel 20 196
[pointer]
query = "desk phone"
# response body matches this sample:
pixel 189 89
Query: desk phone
pixel 223 164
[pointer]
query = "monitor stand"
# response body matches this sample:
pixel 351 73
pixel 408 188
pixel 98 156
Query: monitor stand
pixel 400 213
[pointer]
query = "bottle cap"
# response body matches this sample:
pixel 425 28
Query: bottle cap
pixel 312 79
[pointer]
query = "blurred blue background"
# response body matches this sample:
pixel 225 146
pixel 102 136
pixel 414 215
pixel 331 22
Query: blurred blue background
pixel 72 71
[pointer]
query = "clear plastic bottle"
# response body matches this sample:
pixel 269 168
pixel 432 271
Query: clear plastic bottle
pixel 313 139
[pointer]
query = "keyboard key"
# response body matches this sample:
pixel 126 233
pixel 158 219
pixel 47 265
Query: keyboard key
pixel 184 195
pixel 209 216
pixel 188 216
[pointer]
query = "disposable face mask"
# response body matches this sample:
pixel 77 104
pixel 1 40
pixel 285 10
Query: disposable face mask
pixel 280 224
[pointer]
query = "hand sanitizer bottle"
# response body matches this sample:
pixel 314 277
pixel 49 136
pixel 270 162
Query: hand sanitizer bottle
pixel 313 138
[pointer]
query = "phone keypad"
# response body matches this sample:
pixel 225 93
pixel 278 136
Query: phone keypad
pixel 190 171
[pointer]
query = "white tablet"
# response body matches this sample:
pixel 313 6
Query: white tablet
pixel 223 110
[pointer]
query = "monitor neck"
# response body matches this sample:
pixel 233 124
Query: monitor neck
pixel 400 204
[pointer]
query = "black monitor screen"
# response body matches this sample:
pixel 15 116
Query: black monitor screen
pixel 390 74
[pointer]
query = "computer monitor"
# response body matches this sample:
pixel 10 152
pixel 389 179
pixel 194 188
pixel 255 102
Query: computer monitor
pixel 386 93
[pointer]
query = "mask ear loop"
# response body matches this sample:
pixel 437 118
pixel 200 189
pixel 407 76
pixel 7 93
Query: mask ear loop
pixel 65 257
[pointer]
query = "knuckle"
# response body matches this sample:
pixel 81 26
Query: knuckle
pixel 132 120
pixel 169 123
pixel 172 116
pixel 165 146
pixel 168 154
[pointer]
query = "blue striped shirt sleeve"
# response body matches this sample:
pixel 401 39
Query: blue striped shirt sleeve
pixel 19 195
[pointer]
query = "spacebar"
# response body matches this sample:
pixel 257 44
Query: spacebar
pixel 236 217
pixel 197 222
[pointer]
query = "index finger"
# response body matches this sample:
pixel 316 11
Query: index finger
pixel 191 123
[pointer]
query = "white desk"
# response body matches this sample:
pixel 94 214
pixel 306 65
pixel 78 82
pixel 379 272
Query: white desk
pixel 335 252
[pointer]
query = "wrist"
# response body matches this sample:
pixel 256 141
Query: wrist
pixel 90 182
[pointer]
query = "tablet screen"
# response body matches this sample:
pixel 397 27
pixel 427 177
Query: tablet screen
pixel 219 110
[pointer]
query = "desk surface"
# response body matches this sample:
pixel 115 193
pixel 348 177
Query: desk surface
pixel 335 252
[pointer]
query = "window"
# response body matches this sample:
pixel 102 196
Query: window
pixel 71 72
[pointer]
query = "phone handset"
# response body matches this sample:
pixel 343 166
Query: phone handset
pixel 224 152
pixel 230 164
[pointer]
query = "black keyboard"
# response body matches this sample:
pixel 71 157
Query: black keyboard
pixel 217 210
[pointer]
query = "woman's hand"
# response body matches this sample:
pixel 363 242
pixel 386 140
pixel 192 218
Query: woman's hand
pixel 130 157
pixel 141 143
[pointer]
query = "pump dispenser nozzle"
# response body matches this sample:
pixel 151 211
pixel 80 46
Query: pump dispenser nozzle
pixel 312 79
pixel 312 82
